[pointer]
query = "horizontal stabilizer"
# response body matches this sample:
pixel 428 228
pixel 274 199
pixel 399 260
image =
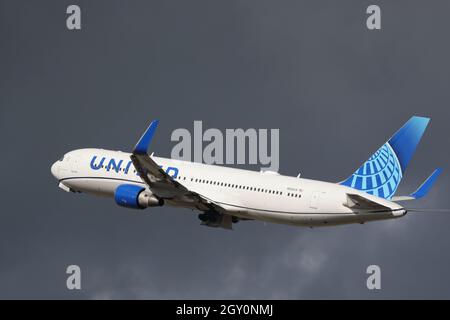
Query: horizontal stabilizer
pixel 358 202
pixel 423 189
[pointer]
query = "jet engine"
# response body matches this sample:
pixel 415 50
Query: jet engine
pixel 136 197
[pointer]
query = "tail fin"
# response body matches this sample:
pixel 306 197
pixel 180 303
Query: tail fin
pixel 382 173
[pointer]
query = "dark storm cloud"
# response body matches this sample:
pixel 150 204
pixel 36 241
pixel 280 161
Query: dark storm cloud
pixel 311 68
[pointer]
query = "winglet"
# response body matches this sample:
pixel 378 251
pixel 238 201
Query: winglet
pixel 144 142
pixel 427 184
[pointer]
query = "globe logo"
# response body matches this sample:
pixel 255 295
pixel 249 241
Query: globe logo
pixel 380 175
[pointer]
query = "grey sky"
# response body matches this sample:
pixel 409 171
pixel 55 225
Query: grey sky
pixel 336 90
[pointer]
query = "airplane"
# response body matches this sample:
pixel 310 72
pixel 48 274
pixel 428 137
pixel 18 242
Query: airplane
pixel 225 196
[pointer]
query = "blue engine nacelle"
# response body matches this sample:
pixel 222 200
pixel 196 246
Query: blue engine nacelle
pixel 136 197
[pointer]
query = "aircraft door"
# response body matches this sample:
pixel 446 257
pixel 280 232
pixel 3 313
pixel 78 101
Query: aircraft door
pixel 315 197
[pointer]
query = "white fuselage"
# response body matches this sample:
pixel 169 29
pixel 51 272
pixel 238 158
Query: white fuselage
pixel 265 196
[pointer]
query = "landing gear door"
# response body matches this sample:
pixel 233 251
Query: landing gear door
pixel 315 197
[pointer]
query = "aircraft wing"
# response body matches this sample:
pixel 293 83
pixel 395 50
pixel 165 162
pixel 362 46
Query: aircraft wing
pixel 162 184
pixel 358 202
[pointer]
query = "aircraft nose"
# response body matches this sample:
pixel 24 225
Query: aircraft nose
pixel 55 170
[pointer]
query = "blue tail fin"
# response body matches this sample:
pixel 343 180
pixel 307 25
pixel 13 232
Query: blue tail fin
pixel 382 173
